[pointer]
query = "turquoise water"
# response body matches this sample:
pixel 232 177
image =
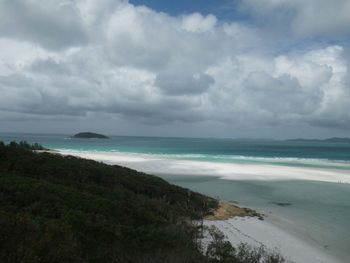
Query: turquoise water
pixel 312 154
pixel 319 210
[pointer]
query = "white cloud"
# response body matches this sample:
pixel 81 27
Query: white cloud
pixel 297 88
pixel 198 23
pixel 132 62
pixel 14 55
pixel 304 17
pixel 55 25
pixel 183 83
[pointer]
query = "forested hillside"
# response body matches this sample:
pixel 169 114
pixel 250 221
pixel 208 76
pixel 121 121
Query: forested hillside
pixel 65 209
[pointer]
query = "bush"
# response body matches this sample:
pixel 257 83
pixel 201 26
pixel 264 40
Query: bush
pixel 220 250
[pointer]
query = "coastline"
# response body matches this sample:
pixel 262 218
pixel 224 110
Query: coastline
pixel 228 210
pixel 280 236
pixel 227 171
pixel 244 225
pixel 268 234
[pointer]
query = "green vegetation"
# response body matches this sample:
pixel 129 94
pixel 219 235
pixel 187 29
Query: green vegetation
pixel 66 209
pixel 90 135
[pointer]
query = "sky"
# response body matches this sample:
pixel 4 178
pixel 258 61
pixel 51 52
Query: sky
pixel 201 68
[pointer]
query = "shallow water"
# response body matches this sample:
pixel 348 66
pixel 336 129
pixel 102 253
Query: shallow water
pixel 317 211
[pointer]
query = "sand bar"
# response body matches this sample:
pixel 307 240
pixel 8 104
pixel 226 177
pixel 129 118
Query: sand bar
pixel 228 171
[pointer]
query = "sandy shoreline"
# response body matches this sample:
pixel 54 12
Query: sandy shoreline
pixel 246 225
pixel 227 210
pixel 228 171
pixel 265 233
pixel 272 235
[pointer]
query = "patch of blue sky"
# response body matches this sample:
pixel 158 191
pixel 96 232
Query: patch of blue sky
pixel 224 10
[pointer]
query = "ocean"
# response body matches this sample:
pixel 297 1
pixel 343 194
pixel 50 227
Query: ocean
pixel 209 149
pixel 317 210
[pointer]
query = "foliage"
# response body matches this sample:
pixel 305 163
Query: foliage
pixel 90 135
pixel 66 209
pixel 57 208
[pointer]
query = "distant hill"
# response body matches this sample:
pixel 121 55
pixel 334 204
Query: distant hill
pixel 89 135
pixel 334 139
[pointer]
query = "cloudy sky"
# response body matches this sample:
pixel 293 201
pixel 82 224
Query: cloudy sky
pixel 206 68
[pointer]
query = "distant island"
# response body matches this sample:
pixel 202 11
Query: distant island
pixel 89 135
pixel 334 139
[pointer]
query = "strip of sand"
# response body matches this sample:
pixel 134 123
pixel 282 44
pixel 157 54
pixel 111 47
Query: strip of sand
pixel 228 171
pixel 256 232
pixel 246 225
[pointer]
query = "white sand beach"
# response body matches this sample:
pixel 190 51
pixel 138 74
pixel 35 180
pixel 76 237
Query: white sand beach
pixel 228 171
pixel 266 233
